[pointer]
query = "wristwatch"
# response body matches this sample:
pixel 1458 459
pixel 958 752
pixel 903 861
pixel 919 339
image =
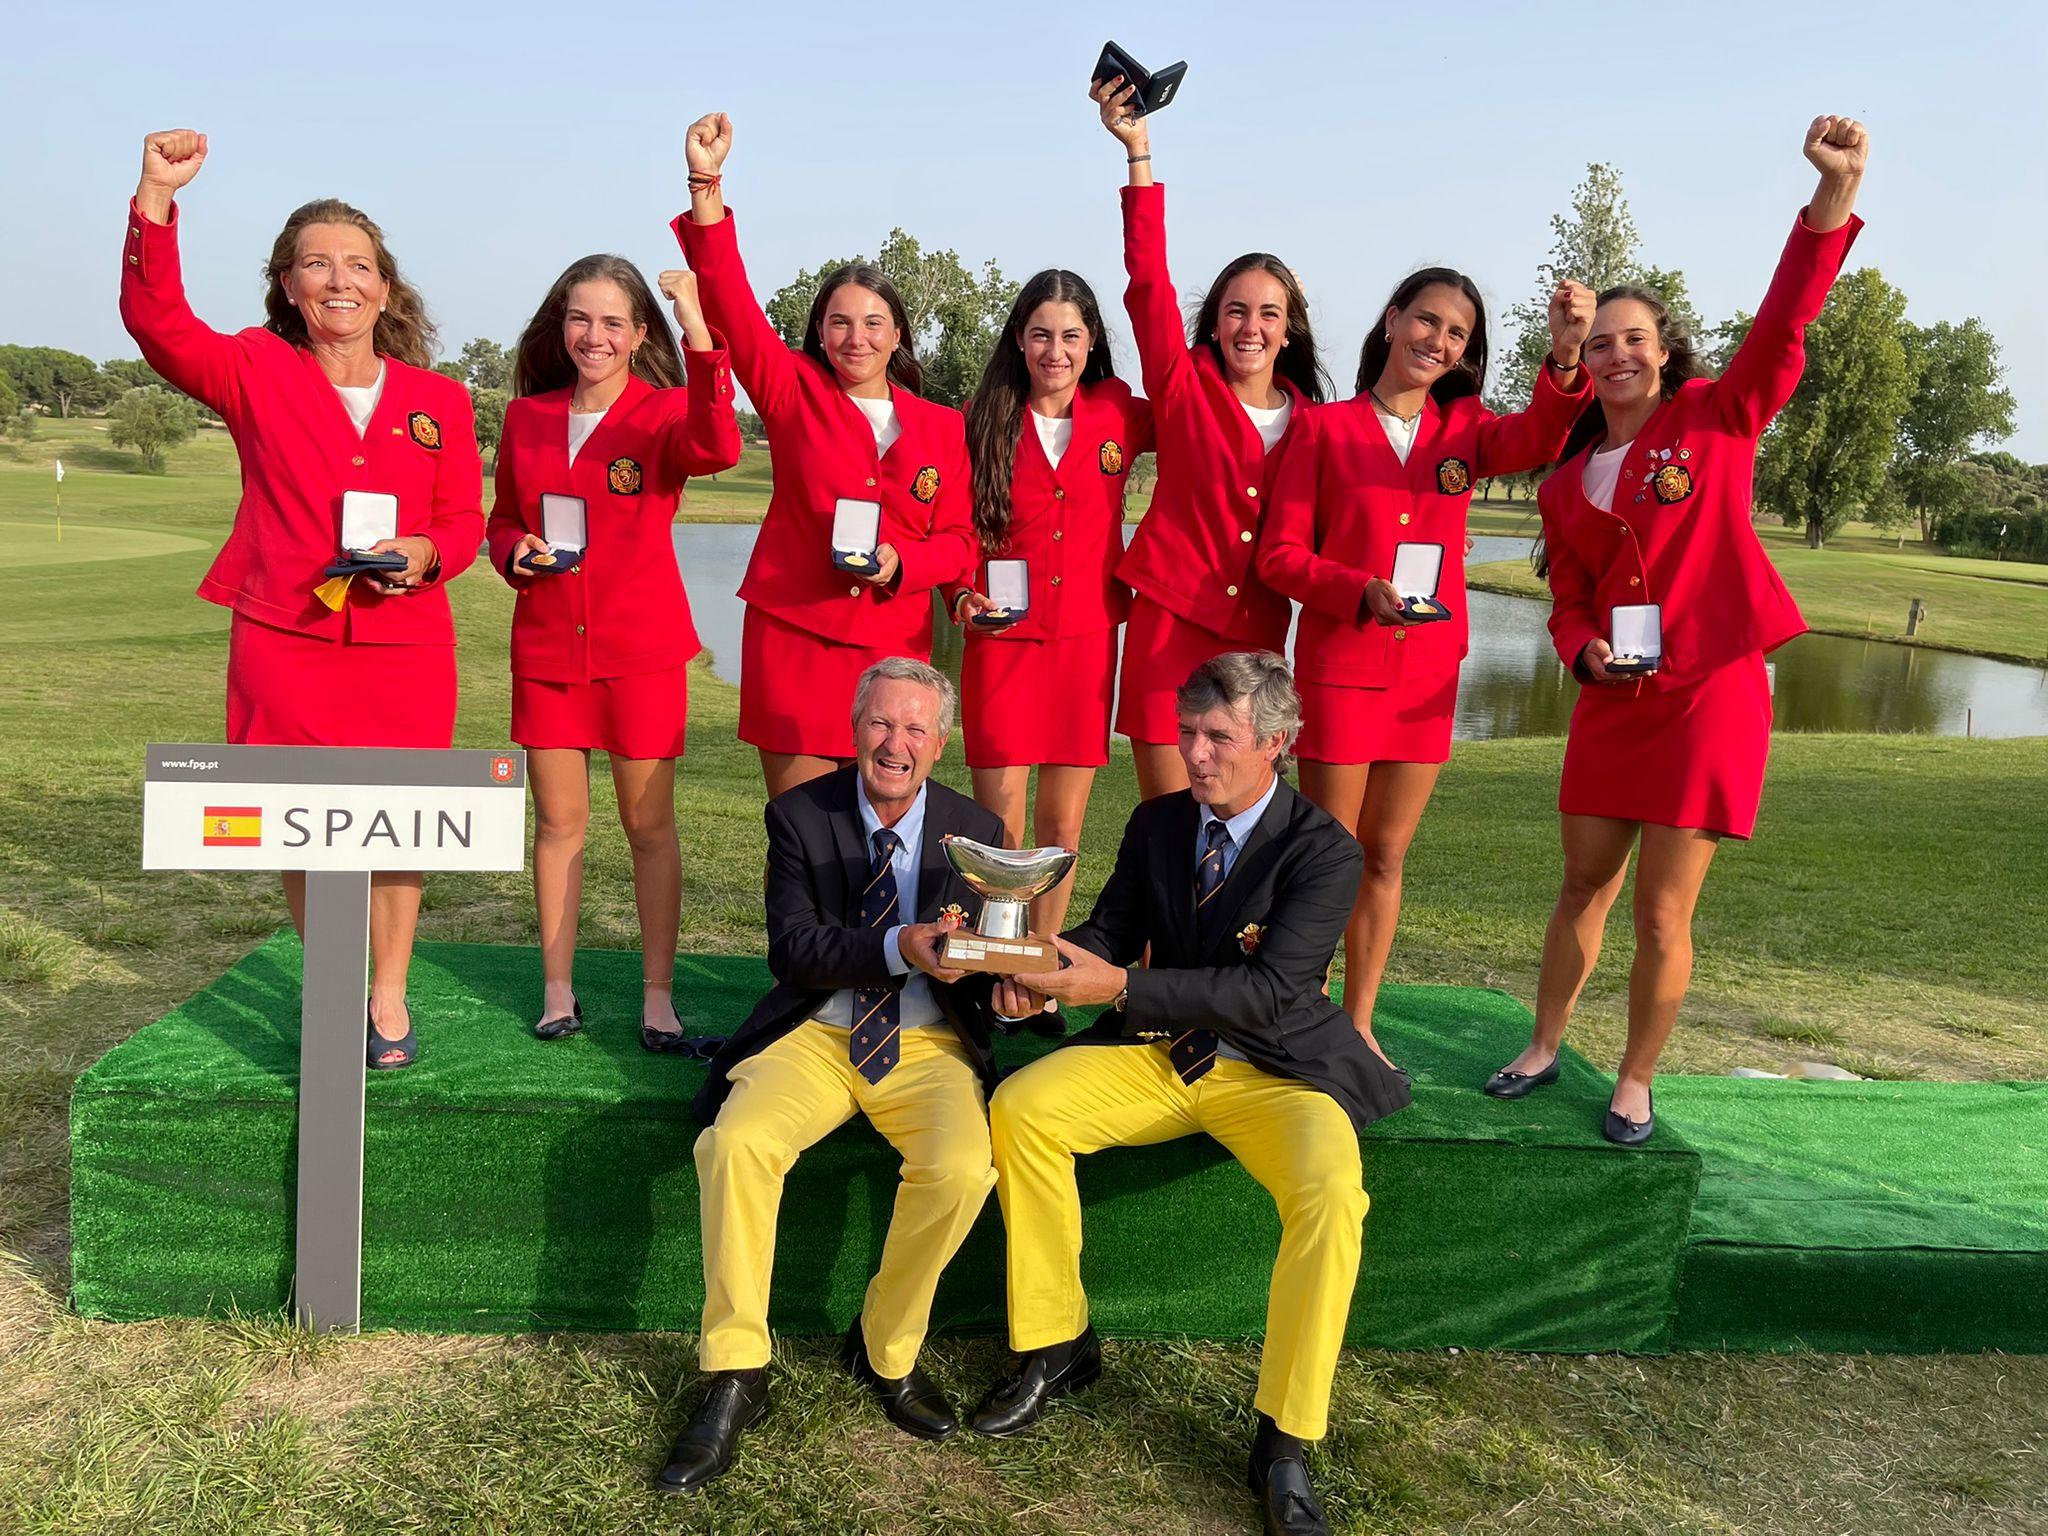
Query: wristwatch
pixel 1123 1000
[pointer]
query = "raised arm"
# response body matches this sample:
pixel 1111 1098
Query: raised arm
pixel 1508 445
pixel 1765 370
pixel 175 342
pixel 1149 299
pixel 760 357
pixel 704 437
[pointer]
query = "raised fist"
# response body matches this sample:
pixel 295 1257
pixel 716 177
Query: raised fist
pixel 708 142
pixel 680 289
pixel 1571 320
pixel 173 158
pixel 1837 146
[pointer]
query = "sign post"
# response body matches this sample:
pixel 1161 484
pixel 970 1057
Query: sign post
pixel 339 814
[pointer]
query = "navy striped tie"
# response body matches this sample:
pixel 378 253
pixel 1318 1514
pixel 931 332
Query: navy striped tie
pixel 875 1041
pixel 1193 1052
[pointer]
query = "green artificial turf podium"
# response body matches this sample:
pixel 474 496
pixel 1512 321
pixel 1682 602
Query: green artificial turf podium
pixel 516 1184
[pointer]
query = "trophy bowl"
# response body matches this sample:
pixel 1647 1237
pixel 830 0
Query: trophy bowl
pixel 1006 879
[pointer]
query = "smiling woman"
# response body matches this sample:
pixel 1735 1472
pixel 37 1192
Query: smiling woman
pixel 349 446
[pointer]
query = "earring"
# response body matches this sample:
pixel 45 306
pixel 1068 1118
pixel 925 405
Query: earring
pixel 1388 337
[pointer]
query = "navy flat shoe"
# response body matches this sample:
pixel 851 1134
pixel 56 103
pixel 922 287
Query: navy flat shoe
pixel 562 1024
pixel 1515 1085
pixel 1624 1132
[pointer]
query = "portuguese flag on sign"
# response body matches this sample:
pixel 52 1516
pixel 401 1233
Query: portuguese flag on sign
pixel 234 826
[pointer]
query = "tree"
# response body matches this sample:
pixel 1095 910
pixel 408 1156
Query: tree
pixel 484 364
pixel 490 416
pixel 750 425
pixel 151 420
pixel 955 315
pixel 53 379
pixel 1957 404
pixel 448 368
pixel 131 373
pixel 1595 244
pixel 1823 461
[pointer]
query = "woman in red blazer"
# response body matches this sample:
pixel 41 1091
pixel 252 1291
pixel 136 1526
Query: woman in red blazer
pixel 1224 411
pixel 1394 467
pixel 331 394
pixel 601 635
pixel 1051 434
pixel 1651 509
pixel 845 424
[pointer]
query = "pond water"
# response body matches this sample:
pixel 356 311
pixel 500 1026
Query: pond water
pixel 1512 684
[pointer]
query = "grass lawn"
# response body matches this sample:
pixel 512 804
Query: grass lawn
pixel 1891 916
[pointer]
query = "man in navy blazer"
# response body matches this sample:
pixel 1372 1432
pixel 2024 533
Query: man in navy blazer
pixel 1240 889
pixel 862 1020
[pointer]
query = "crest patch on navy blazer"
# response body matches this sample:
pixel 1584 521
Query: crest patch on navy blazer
pixel 623 476
pixel 424 430
pixel 1454 477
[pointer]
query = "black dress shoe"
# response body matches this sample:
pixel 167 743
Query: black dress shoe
pixel 1018 1402
pixel 737 1400
pixel 1291 1505
pixel 562 1023
pixel 913 1403
pixel 1514 1085
pixel 1624 1132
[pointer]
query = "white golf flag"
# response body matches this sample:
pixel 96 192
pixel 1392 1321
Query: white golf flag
pixel 60 471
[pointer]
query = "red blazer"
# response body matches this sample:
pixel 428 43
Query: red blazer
pixel 822 448
pixel 1680 533
pixel 1068 521
pixel 623 609
pixel 1195 553
pixel 300 451
pixel 1343 500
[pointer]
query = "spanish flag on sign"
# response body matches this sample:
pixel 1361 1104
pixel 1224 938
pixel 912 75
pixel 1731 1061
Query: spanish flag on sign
pixel 233 826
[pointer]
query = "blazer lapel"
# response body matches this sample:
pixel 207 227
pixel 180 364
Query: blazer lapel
pixel 1173 855
pixel 934 869
pixel 850 841
pixel 1260 852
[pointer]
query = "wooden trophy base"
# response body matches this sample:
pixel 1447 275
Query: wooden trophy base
pixel 966 950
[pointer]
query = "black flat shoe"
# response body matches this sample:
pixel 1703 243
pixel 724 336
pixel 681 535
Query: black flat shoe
pixel 1291 1506
pixel 667 1042
pixel 1020 1401
pixel 1514 1085
pixel 562 1023
pixel 1624 1132
pixel 913 1403
pixel 738 1400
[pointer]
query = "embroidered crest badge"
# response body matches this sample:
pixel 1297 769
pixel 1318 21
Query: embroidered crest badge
pixel 425 430
pixel 1111 457
pixel 623 476
pixel 926 485
pixel 1249 937
pixel 1673 483
pixel 1454 477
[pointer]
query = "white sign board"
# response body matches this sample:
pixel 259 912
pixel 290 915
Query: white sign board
pixel 332 808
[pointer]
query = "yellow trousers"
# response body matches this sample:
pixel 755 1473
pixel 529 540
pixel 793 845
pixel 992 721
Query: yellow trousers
pixel 1294 1139
pixel 793 1094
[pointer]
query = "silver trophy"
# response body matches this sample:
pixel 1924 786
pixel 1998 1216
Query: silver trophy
pixel 1006 879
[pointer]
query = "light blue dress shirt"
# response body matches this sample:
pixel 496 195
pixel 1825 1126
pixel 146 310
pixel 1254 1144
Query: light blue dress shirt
pixel 918 1008
pixel 1239 827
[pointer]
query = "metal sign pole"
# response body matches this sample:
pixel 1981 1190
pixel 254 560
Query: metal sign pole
pixel 332 1069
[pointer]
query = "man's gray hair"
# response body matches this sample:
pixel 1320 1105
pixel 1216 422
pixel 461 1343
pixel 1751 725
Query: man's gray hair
pixel 1258 681
pixel 901 669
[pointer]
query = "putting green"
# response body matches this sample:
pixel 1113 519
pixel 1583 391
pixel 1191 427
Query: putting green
pixel 37 542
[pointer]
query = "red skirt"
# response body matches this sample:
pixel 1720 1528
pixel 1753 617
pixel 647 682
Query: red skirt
pixel 1029 702
pixel 796 688
pixel 645 715
pixel 1409 722
pixel 286 689
pixel 1689 757
pixel 1160 650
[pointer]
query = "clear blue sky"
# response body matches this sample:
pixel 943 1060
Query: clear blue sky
pixel 495 144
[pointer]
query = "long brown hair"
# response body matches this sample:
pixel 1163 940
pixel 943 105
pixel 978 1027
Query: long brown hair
pixel 541 361
pixel 995 416
pixel 905 372
pixel 1469 377
pixel 403 330
pixel 1681 363
pixel 1298 362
